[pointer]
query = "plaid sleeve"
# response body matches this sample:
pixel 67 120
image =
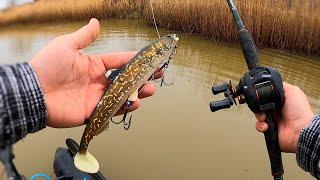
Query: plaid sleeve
pixel 308 150
pixel 22 107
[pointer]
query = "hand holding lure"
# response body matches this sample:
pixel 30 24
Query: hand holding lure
pixel 123 90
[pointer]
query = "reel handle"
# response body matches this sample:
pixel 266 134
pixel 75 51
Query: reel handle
pixel 272 142
pixel 220 88
pixel 218 105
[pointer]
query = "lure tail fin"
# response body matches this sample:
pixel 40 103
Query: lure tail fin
pixel 86 162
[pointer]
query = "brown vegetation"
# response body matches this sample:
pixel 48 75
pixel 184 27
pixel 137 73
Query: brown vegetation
pixel 282 24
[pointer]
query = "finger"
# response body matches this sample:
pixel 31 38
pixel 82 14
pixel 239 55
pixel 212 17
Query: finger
pixel 147 90
pixel 287 87
pixel 159 74
pixel 134 106
pixel 261 117
pixel 116 60
pixel 85 35
pixel 261 126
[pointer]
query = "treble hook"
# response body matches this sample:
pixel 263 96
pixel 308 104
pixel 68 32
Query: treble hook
pixel 164 67
pixel 126 124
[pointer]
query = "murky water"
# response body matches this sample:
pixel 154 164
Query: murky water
pixel 174 135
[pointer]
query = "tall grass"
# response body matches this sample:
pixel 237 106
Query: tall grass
pixel 281 24
pixel 292 25
pixel 53 10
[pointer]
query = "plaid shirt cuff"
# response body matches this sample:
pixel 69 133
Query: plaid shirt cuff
pixel 22 106
pixel 308 150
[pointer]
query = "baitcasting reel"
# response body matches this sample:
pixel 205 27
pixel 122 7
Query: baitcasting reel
pixel 261 88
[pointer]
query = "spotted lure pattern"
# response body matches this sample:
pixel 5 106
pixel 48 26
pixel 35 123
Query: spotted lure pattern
pixel 131 77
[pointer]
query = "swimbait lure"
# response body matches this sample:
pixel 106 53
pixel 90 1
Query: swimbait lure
pixel 123 90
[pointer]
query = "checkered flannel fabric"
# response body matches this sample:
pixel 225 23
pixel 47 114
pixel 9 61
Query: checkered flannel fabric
pixel 308 150
pixel 22 107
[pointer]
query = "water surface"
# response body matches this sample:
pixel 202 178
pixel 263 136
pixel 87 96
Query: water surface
pixel 174 135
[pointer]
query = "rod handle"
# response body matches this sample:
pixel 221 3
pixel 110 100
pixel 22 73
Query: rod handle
pixel 249 49
pixel 272 142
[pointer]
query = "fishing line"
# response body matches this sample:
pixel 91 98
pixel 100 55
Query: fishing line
pixel 154 18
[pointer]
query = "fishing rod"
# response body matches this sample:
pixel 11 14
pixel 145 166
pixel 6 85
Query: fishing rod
pixel 260 88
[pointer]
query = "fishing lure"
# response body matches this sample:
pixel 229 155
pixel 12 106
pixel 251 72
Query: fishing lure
pixel 123 90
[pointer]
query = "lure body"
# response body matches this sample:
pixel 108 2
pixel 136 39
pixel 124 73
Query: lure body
pixel 130 78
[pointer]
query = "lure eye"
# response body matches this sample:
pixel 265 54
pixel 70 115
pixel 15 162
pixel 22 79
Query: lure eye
pixel 173 36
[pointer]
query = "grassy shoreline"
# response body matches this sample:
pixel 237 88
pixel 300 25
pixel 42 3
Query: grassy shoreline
pixel 289 25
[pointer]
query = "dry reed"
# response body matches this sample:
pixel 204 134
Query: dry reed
pixel 292 25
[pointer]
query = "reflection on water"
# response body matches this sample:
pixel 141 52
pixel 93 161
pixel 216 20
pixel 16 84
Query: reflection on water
pixel 174 136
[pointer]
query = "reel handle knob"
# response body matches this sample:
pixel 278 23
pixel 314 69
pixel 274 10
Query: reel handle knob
pixel 218 105
pixel 220 88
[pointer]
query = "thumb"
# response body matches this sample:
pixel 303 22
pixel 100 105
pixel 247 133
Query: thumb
pixel 86 35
